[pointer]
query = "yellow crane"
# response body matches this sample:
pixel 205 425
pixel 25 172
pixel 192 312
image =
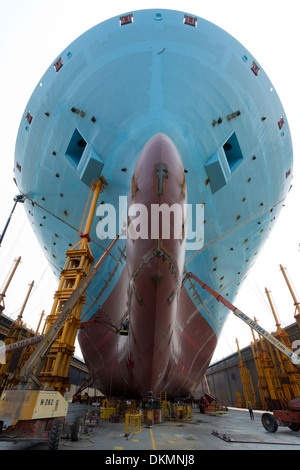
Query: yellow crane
pixel 3 293
pixel 296 302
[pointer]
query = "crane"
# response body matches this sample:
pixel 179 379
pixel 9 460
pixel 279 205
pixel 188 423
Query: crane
pixel 3 293
pixel 238 313
pixel 30 401
pixel 296 302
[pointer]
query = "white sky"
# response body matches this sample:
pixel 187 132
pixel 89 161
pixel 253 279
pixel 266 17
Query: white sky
pixel 32 35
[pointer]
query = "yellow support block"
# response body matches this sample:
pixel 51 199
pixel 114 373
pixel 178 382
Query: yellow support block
pixel 105 413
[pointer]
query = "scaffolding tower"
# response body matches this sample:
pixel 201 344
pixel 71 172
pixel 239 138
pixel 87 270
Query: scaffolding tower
pixel 287 372
pixel 247 383
pixel 24 356
pixel 79 260
pixel 13 335
pixel 262 384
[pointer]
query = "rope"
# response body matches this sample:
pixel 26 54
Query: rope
pixel 64 222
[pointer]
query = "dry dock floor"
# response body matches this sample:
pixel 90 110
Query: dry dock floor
pixel 174 436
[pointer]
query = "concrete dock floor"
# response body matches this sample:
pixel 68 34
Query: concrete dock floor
pixel 187 436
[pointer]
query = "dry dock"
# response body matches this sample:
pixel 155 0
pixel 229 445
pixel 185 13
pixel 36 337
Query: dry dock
pixel 184 437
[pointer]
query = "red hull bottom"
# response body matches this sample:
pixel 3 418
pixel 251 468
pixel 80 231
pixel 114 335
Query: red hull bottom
pixel 170 344
pixel 159 363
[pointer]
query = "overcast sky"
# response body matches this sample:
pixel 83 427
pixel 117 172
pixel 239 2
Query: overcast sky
pixel 32 35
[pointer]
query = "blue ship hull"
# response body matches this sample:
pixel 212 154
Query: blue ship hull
pixel 101 100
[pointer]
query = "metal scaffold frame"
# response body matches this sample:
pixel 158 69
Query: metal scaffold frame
pixel 13 335
pixel 79 260
pixel 247 383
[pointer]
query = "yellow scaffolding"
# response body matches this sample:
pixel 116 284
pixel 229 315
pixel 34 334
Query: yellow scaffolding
pixel 247 383
pixel 13 335
pixel 79 260
pixel 106 412
pixel 133 422
pixel 296 302
pixel 288 374
pixel 274 384
pixel 24 356
pixel 262 383
pixel 240 403
pixel 164 405
pixel 5 287
pixel 269 385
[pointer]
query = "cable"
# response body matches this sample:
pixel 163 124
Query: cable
pixel 256 290
pixel 80 446
pixel 66 223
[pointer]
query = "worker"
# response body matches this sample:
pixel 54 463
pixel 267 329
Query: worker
pixel 85 399
pixel 250 408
